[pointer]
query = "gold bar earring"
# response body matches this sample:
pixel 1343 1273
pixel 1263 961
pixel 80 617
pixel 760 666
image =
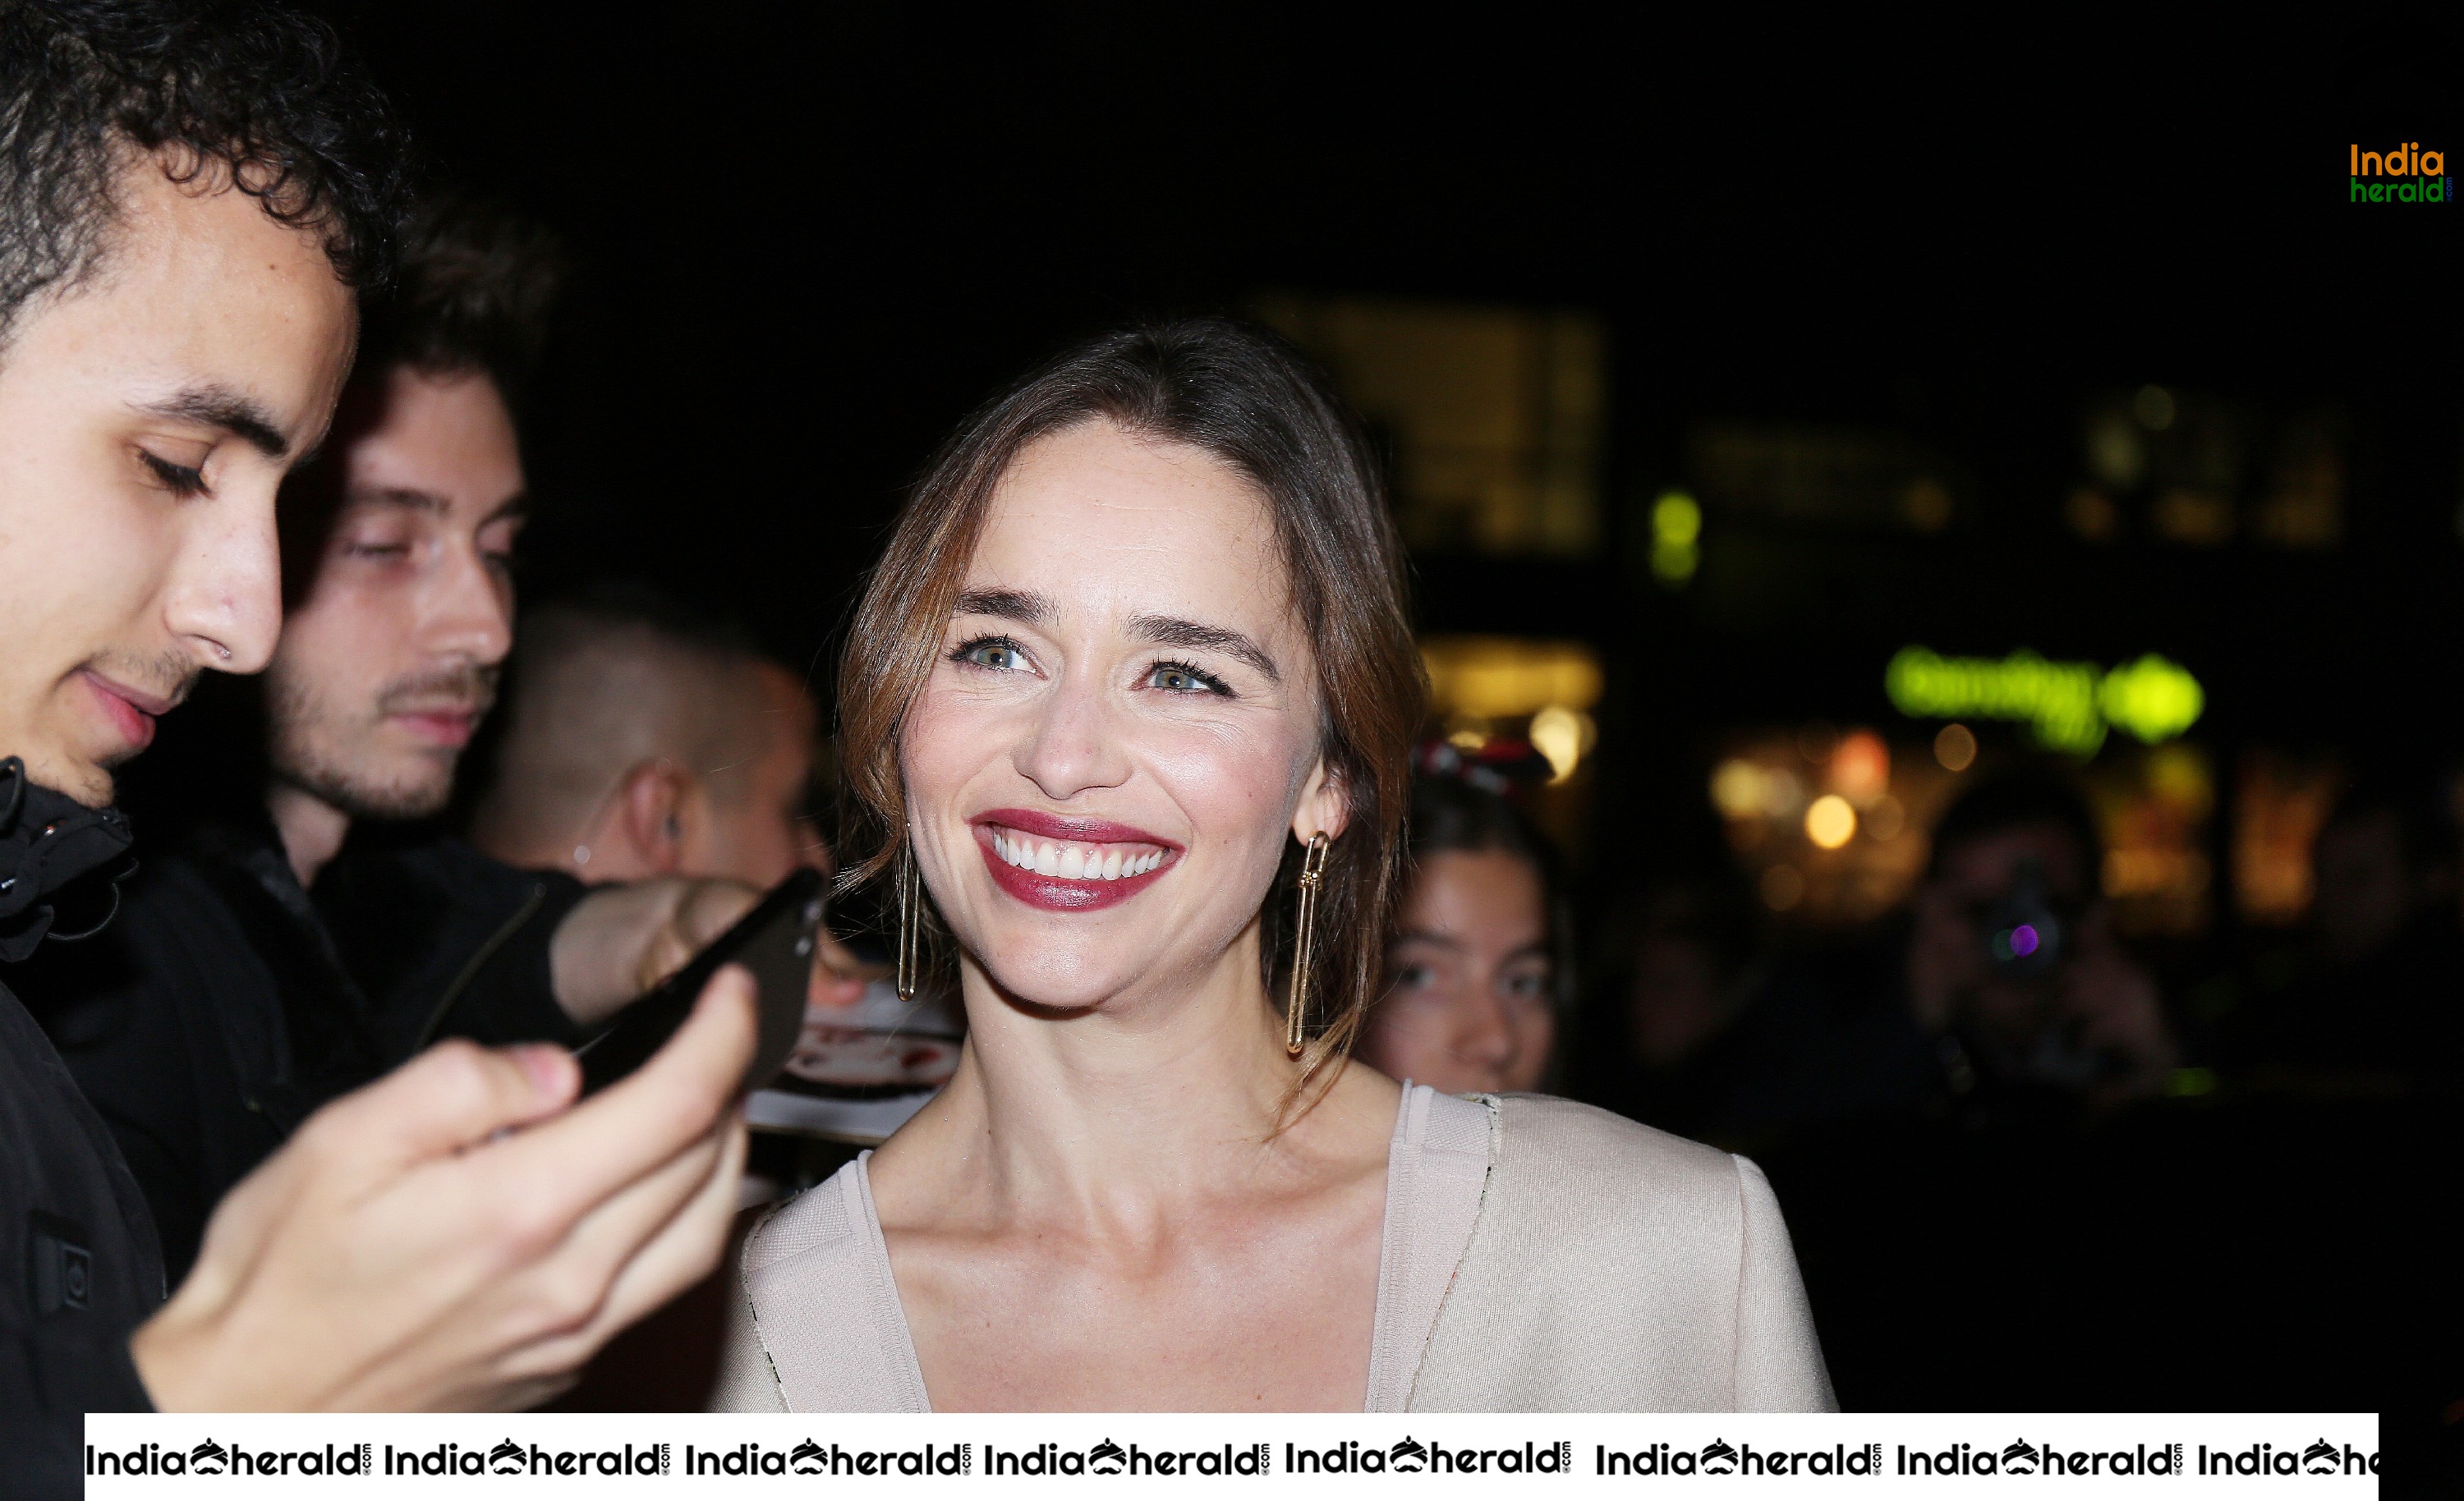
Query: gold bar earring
pixel 910 925
pixel 1305 939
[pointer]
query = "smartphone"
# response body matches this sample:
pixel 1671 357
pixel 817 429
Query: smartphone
pixel 775 941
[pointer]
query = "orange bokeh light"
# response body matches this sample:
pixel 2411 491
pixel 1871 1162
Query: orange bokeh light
pixel 1861 768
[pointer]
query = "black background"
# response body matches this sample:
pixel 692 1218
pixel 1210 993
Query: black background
pixel 811 242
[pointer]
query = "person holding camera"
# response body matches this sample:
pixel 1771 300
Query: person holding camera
pixel 2013 960
pixel 2002 995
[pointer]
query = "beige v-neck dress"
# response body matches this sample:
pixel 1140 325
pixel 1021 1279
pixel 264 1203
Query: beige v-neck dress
pixel 1538 1256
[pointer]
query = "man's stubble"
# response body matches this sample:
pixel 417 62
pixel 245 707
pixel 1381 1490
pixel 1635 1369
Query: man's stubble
pixel 313 740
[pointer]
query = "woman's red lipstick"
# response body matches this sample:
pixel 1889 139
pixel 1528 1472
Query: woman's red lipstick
pixel 1092 862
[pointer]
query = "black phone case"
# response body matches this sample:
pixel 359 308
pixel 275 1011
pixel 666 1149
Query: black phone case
pixel 775 941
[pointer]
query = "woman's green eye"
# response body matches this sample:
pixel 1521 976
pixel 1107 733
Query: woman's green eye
pixel 994 655
pixel 1179 677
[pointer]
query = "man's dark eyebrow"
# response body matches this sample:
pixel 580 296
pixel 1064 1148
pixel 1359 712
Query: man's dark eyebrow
pixel 1024 606
pixel 401 499
pixel 1166 631
pixel 218 406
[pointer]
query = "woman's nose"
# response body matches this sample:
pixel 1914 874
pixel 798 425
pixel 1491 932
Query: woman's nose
pixel 1074 745
pixel 1484 1034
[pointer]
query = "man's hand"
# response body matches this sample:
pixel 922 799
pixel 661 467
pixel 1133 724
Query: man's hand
pixel 461 1234
pixel 619 940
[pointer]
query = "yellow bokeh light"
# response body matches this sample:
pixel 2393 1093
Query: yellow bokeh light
pixel 1562 736
pixel 1737 788
pixel 2179 775
pixel 1830 821
pixel 1495 677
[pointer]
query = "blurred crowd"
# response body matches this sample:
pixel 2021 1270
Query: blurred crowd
pixel 2001 992
pixel 2017 1169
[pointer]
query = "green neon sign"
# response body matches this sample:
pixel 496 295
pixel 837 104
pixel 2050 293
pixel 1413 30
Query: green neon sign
pixel 2067 704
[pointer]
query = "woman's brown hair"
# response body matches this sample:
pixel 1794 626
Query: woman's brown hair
pixel 1246 397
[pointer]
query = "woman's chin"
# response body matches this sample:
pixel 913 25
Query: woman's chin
pixel 1057 990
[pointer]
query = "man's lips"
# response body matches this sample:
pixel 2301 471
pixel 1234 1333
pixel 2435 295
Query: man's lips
pixel 450 727
pixel 1065 864
pixel 132 711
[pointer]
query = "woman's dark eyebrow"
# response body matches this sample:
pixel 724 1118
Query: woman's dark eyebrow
pixel 1165 630
pixel 1024 606
pixel 1442 940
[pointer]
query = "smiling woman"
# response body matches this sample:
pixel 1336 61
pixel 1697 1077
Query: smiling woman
pixel 1324 564
pixel 1131 689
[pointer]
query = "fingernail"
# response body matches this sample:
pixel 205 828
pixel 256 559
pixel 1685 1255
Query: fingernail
pixel 550 1068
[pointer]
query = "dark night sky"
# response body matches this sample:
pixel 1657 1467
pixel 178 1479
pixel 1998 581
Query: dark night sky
pixel 810 244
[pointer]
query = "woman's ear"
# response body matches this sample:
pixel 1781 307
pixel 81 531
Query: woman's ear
pixel 1325 805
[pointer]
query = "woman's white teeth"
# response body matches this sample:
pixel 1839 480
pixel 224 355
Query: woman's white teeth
pixel 1074 862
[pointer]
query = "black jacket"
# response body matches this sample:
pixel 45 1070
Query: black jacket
pixel 79 1268
pixel 225 1004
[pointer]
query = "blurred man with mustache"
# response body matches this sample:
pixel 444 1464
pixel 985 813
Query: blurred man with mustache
pixel 302 932
pixel 398 543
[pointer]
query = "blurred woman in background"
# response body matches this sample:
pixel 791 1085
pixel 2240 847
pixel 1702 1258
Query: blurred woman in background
pixel 1476 968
